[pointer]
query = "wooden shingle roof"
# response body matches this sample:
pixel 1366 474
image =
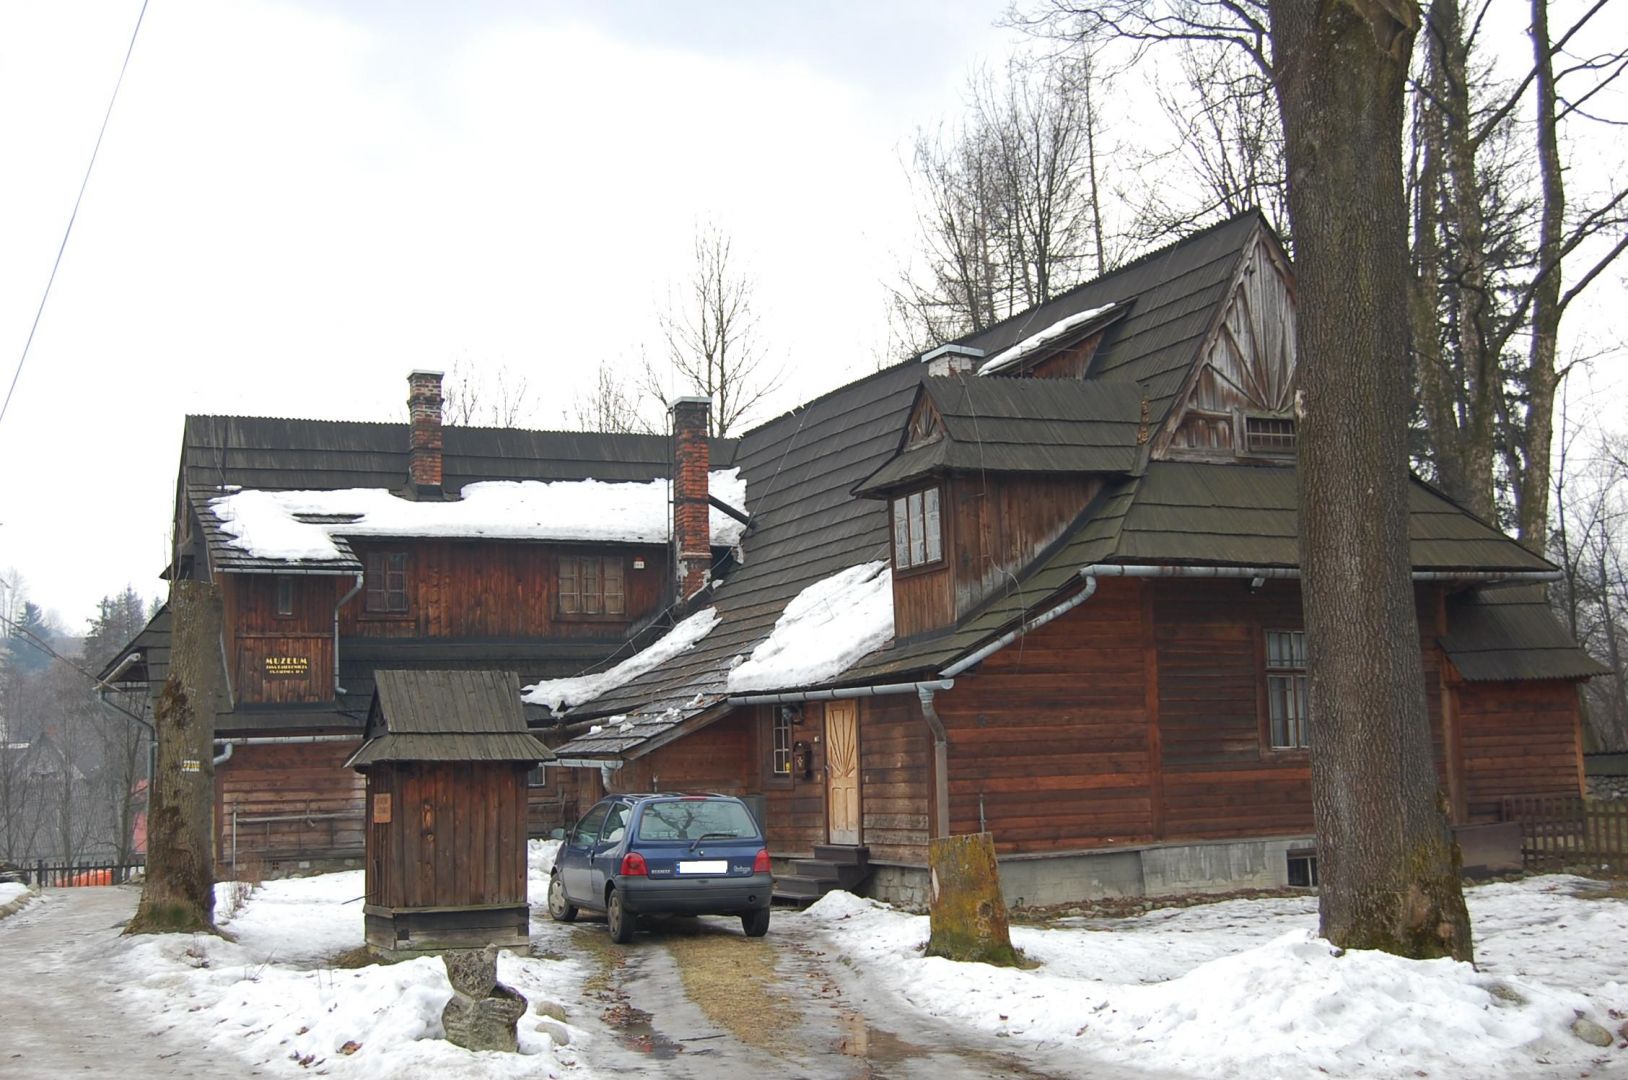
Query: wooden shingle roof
pixel 1021 425
pixel 447 716
pixel 1499 634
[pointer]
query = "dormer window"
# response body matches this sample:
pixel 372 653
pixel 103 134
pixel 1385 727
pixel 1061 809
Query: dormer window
pixel 1270 435
pixel 918 536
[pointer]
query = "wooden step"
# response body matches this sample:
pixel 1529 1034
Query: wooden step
pixel 842 853
pixel 835 875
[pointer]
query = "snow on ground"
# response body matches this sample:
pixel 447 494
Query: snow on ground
pixel 266 523
pixel 1246 989
pixel 560 694
pixel 824 630
pixel 270 998
pixel 9 891
pixel 540 856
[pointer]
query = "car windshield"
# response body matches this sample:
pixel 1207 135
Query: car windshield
pixel 695 819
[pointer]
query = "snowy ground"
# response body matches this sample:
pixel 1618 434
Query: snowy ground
pixel 10 891
pixel 1236 989
pixel 272 999
pixel 1246 989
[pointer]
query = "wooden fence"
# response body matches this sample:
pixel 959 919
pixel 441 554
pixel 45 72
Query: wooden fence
pixel 82 872
pixel 1561 832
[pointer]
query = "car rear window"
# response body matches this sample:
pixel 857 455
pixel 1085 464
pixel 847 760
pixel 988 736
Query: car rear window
pixel 692 819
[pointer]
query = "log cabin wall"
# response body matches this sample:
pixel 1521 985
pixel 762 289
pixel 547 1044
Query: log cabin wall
pixel 896 755
pixel 455 835
pixel 316 804
pixel 281 659
pixel 1517 739
pixel 491 589
pixel 1051 734
pixel 556 797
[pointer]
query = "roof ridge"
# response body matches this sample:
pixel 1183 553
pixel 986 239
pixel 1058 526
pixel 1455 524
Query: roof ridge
pixel 1122 268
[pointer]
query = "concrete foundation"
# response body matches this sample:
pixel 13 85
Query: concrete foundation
pixel 1156 870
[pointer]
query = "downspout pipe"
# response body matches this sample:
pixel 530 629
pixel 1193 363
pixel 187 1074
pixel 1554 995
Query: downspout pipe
pixel 941 761
pixel 1032 624
pixel 340 690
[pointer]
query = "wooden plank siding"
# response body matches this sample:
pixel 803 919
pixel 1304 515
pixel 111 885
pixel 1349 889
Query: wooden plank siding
pixel 306 785
pixel 494 589
pixel 455 835
pixel 999 525
pixel 299 646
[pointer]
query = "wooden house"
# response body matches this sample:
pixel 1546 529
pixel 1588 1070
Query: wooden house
pixel 1057 560
pixel 446 755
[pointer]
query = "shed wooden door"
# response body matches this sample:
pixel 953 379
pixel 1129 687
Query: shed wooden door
pixel 842 771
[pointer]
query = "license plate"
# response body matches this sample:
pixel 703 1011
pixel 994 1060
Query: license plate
pixel 704 866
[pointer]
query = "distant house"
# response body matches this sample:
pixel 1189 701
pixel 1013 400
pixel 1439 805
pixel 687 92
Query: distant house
pixel 1041 581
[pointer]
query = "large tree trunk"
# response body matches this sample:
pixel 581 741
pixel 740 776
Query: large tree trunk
pixel 179 894
pixel 1532 496
pixel 1386 857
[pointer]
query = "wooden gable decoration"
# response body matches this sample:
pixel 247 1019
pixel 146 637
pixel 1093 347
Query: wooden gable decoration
pixel 1239 397
pixel 925 424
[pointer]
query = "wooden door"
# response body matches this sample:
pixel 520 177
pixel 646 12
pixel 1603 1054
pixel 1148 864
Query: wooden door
pixel 842 771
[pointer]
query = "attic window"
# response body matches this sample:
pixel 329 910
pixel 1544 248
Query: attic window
pixel 592 585
pixel 918 538
pixel 1269 435
pixel 386 580
pixel 923 427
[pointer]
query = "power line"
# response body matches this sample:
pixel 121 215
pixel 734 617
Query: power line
pixel 73 216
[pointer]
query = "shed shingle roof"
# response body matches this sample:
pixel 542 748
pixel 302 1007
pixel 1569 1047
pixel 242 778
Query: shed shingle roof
pixel 447 716
pixel 1511 633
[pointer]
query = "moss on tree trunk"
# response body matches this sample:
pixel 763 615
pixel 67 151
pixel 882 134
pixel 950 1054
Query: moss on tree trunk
pixel 179 892
pixel 967 911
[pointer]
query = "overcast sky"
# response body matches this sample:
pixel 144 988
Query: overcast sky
pixel 299 202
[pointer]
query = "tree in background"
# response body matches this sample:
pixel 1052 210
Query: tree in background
pixel 1011 202
pixel 119 724
pixel 711 334
pixel 493 396
pixel 612 405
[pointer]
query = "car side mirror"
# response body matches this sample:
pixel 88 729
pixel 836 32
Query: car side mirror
pixel 556 834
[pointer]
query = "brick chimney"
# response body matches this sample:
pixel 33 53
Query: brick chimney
pixel 424 452
pixel 692 529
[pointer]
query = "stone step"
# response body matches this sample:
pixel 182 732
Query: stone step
pixel 798 889
pixel 842 853
pixel 835 875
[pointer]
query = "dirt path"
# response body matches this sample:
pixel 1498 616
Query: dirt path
pixel 61 1016
pixel 698 1000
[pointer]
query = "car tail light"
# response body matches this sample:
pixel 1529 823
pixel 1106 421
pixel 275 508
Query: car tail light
pixel 760 865
pixel 633 865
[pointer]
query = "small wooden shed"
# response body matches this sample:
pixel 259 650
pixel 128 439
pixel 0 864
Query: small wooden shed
pixel 446 755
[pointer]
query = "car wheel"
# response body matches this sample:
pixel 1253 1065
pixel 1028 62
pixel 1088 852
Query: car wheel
pixel 559 908
pixel 618 920
pixel 756 923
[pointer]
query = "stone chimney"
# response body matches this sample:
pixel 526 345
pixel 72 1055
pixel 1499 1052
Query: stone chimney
pixel 692 529
pixel 424 452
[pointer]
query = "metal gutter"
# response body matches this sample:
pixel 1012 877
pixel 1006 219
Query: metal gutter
pixel 283 740
pixel 1038 621
pixel 843 693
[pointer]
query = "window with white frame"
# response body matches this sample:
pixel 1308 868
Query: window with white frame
pixel 780 742
pixel 1289 717
pixel 918 536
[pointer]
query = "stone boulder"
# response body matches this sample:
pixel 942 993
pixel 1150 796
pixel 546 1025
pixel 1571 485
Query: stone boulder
pixel 483 1014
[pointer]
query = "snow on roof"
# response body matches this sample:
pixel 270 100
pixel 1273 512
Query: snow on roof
pixel 825 629
pixel 562 694
pixel 269 525
pixel 1035 341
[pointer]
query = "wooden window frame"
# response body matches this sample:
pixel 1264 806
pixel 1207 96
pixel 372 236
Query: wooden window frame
pixel 575 564
pixel 1296 675
pixel 780 743
pixel 926 564
pixel 1247 447
pixel 284 590
pixel 381 602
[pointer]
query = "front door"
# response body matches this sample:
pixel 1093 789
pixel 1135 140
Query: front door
pixel 842 771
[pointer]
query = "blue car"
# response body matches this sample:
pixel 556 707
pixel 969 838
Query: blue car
pixel 634 855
